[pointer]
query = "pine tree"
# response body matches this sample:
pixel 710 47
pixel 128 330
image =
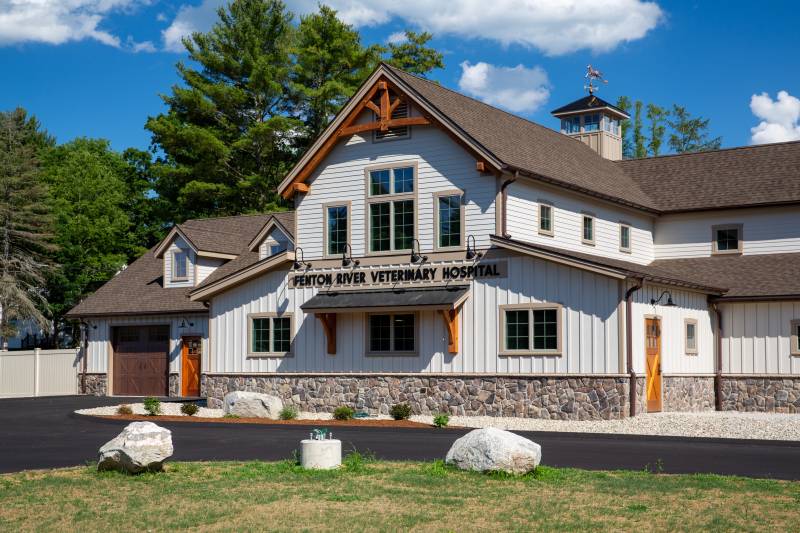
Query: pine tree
pixel 690 134
pixel 24 223
pixel 657 117
pixel 413 55
pixel 624 103
pixel 639 149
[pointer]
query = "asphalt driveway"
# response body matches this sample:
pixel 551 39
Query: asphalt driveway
pixel 44 433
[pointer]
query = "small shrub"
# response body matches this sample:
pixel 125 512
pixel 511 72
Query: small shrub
pixel 356 461
pixel 289 412
pixel 343 412
pixel 124 410
pixel 229 415
pixel 152 406
pixel 189 409
pixel 400 411
pixel 441 420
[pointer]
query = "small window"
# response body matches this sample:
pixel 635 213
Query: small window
pixel 587 235
pixel 545 219
pixel 624 238
pixel 727 239
pixel 337 229
pixel 591 122
pixel 270 335
pixel 690 326
pixel 449 209
pixel 179 265
pixel 571 125
pixel 795 337
pixel 391 334
pixel 278 247
pixel 531 329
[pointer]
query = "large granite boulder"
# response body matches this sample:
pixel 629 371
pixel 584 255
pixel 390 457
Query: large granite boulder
pixel 492 449
pixel 252 405
pixel 141 447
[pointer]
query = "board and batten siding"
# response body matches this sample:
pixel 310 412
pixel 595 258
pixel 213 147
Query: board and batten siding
pixel 178 244
pixel 765 230
pixel 442 165
pixel 590 327
pixel 99 344
pixel 522 223
pixel 756 337
pixel 674 359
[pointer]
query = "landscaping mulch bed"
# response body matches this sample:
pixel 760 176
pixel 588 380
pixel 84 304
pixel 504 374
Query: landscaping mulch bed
pixel 352 423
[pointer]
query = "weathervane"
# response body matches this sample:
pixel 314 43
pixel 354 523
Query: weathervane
pixel 593 74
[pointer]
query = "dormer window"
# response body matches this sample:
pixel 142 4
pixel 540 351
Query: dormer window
pixel 180 267
pixel 726 239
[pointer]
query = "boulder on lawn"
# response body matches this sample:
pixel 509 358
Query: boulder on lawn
pixel 252 405
pixel 141 447
pixel 492 449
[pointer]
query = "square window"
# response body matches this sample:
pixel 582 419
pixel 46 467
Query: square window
pixel 379 181
pixel 449 221
pixel 403 180
pixel 727 239
pixel 591 122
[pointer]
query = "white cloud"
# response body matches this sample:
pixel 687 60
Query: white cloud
pixel 518 89
pixel 780 119
pixel 552 26
pixel 144 46
pixel 397 37
pixel 59 21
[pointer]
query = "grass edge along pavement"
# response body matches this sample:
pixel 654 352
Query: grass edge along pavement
pixel 410 495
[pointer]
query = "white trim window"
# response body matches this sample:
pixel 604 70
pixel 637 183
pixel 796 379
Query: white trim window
pixel 337 228
pixel 180 265
pixel 624 238
pixel 545 219
pixel 530 329
pixel 392 223
pixel 392 334
pixel 690 336
pixel 726 239
pixel 269 334
pixel 587 229
pixel 449 210
pixel 795 337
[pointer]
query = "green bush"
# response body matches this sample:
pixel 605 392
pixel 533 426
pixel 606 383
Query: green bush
pixel 230 415
pixel 441 420
pixel 343 412
pixel 400 411
pixel 289 412
pixel 152 406
pixel 189 409
pixel 124 410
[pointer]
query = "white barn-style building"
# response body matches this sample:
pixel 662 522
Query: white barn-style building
pixel 456 257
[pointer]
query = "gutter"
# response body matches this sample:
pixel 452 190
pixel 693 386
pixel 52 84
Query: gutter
pixel 629 343
pixel 718 363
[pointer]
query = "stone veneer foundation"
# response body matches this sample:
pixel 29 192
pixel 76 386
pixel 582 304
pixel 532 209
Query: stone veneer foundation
pixel 174 385
pixel 688 393
pixel 766 394
pixel 96 384
pixel 558 397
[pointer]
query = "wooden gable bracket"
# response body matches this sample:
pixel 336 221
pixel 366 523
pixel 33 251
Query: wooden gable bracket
pixel 384 113
pixel 450 317
pixel 300 187
pixel 329 325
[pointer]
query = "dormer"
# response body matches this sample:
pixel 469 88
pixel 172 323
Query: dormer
pixel 274 237
pixel 185 263
pixel 594 122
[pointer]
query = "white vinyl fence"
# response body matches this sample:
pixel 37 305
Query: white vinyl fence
pixel 38 373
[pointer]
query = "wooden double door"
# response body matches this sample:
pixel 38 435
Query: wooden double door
pixel 652 333
pixel 141 360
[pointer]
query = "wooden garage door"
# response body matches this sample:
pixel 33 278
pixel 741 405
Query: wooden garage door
pixel 141 356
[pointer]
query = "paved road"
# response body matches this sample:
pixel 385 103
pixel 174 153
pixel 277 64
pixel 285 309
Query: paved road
pixel 42 433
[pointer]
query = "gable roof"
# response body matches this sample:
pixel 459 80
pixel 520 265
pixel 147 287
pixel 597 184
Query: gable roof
pixel 587 103
pixel 283 221
pixel 749 176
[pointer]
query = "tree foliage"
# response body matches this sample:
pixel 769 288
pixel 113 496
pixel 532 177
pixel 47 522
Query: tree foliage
pixel 657 117
pixel 639 149
pixel 24 223
pixel 413 54
pixel 624 103
pixel 690 134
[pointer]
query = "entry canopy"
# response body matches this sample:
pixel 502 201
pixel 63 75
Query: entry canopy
pixel 441 298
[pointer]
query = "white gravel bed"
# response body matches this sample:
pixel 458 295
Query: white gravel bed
pixel 727 425
pixel 174 409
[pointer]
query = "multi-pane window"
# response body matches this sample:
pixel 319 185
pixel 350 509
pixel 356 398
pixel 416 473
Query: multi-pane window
pixel 337 229
pixel 571 125
pixel 545 219
pixel 691 336
pixel 394 333
pixel 270 335
pixel 179 265
pixel 727 239
pixel 624 238
pixel 588 229
pixel 391 222
pixel 591 122
pixel 449 220
pixel 533 329
pixel 795 337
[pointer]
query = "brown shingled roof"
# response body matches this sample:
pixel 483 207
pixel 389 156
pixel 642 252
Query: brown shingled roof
pixel 747 176
pixel 230 235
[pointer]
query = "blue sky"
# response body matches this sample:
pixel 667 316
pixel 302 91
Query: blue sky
pixel 96 67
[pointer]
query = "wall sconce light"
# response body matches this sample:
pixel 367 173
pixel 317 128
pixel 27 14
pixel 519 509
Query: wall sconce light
pixel 299 259
pixel 472 252
pixel 669 303
pixel 415 253
pixel 183 324
pixel 347 260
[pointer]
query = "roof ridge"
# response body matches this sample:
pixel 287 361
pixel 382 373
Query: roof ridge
pixel 728 149
pixel 267 213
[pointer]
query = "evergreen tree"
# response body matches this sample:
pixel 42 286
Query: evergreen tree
pixel 690 134
pixel 150 214
pixel 657 117
pixel 413 55
pixel 227 137
pixel 639 149
pixel 24 223
pixel 624 103
pixel 330 65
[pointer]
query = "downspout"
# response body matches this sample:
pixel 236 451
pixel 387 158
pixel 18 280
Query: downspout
pixel 629 343
pixel 504 202
pixel 718 365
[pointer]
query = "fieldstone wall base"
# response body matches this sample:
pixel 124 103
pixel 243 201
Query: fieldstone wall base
pixel 560 398
pixel 688 393
pixel 96 384
pixel 778 395
pixel 174 385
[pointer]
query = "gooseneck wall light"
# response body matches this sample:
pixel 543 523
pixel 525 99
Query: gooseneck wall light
pixel 670 303
pixel 299 260
pixel 347 256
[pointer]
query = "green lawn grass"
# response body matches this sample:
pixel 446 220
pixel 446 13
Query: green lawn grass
pixel 389 496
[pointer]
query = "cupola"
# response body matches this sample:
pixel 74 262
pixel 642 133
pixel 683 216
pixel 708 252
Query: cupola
pixel 594 121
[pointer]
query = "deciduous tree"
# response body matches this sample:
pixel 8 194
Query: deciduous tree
pixel 690 134
pixel 639 149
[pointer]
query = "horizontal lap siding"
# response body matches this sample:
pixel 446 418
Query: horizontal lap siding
pixel 590 325
pixel 756 338
pixel 766 231
pixel 523 223
pixel 206 266
pixel 442 165
pixel 178 244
